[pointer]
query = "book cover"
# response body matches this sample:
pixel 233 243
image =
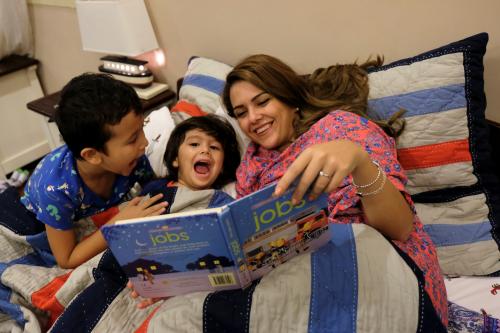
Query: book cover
pixel 272 230
pixel 218 248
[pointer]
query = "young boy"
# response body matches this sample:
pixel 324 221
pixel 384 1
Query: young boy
pixel 101 122
pixel 201 156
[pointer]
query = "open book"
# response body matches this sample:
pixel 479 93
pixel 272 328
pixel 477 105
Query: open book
pixel 217 248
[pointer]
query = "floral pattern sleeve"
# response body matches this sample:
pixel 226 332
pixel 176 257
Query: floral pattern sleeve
pixel 381 148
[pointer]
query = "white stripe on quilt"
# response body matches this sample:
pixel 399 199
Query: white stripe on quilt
pixel 179 314
pixel 397 295
pixel 122 315
pixel 439 177
pixel 280 302
pixel 467 210
pixel 80 278
pixel 426 74
pixel 10 325
pixel 480 258
pixel 434 128
pixel 32 324
pixel 13 246
pixel 27 279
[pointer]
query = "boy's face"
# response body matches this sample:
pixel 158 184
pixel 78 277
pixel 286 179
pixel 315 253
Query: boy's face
pixel 126 145
pixel 199 160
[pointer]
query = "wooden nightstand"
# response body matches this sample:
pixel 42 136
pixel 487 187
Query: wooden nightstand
pixel 46 107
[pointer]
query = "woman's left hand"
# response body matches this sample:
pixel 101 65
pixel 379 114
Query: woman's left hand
pixel 325 165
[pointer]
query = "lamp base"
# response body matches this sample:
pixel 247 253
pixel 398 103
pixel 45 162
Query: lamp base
pixel 144 80
pixel 153 90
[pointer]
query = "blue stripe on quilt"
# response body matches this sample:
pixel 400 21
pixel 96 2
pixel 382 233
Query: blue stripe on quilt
pixel 209 83
pixel 38 241
pixel 334 296
pixel 452 234
pixel 420 102
pixel 11 309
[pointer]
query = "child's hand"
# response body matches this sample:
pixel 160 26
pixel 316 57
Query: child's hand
pixel 143 303
pixel 141 207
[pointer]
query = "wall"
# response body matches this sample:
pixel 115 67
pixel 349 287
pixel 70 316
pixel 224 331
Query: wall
pixel 304 34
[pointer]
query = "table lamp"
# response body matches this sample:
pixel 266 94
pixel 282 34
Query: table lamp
pixel 123 29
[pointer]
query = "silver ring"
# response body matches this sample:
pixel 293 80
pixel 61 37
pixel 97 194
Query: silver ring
pixel 324 174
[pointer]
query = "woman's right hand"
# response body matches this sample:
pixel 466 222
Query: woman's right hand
pixel 141 207
pixel 143 302
pixel 321 167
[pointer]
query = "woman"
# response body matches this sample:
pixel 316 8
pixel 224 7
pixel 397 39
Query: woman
pixel 297 129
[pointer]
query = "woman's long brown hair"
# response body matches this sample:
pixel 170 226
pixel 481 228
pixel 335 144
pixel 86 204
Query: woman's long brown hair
pixel 338 87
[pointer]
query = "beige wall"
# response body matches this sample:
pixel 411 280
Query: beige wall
pixel 304 34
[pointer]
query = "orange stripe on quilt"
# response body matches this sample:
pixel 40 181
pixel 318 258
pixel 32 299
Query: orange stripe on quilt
pixel 103 217
pixel 189 108
pixel 45 298
pixel 145 324
pixel 435 155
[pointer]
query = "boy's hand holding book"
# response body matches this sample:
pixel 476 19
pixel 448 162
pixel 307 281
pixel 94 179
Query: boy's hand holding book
pixel 143 302
pixel 141 207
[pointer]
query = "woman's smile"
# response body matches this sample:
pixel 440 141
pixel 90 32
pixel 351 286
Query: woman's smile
pixel 265 119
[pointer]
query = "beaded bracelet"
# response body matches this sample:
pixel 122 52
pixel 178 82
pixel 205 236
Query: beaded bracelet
pixel 377 190
pixel 373 182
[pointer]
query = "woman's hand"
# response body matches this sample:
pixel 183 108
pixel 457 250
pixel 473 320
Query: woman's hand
pixel 327 164
pixel 143 302
pixel 335 160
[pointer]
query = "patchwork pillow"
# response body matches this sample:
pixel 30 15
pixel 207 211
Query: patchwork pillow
pixel 445 150
pixel 203 83
pixel 444 147
pixel 200 93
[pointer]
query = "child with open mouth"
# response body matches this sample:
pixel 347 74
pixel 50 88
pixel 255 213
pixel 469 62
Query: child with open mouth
pixel 201 157
pixel 202 153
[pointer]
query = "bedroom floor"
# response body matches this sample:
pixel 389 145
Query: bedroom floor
pixel 19 177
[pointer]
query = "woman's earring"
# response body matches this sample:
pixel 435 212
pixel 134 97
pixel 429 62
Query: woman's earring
pixel 297 109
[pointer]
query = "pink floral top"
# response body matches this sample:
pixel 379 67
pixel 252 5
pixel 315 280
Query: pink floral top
pixel 261 167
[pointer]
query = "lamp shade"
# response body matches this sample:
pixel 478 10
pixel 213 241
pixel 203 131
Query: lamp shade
pixel 120 27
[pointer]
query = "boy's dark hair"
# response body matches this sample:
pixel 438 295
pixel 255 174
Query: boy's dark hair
pixel 89 104
pixel 218 128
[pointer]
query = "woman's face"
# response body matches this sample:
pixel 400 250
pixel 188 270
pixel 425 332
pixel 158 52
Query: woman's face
pixel 265 120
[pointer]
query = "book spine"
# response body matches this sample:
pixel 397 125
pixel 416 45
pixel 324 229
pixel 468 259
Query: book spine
pixel 234 246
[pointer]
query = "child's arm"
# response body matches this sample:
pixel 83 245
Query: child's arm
pixel 70 254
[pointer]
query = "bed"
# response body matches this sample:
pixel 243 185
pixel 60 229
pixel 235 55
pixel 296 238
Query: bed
pixel 452 178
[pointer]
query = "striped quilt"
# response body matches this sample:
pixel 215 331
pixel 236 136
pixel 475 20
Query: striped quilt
pixel 343 287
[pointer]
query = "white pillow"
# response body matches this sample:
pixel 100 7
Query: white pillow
pixel 158 126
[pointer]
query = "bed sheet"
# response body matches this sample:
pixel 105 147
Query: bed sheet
pixel 478 293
